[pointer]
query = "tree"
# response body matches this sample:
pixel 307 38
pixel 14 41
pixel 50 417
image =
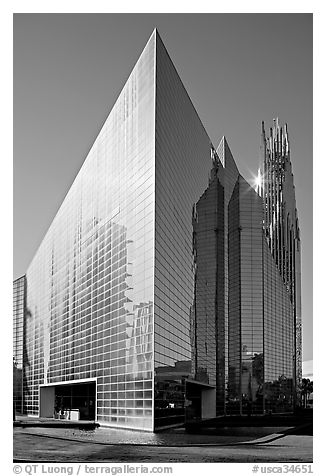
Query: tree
pixel 306 390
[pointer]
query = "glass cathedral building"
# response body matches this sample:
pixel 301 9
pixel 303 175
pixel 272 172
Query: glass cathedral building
pixel 246 320
pixel 132 309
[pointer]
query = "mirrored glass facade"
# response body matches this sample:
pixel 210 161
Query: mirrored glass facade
pixel 182 161
pixel 104 290
pixel 90 287
pixel 18 339
pixel 155 296
pixel 209 302
pixel 280 378
pixel 229 175
pixel 261 266
pixel 246 313
pixel 281 225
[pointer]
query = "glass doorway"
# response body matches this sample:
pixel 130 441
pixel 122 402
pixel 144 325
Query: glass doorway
pixel 77 396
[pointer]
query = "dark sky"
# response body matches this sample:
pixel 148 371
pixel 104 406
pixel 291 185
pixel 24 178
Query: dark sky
pixel 238 69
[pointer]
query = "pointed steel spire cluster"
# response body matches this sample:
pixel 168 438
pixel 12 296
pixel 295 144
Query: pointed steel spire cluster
pixel 278 141
pixel 278 193
pixel 281 225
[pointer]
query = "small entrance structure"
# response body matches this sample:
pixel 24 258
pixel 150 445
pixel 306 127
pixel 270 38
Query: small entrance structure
pixel 72 400
pixel 200 400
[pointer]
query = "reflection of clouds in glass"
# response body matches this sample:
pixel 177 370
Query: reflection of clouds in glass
pixel 139 342
pixel 95 265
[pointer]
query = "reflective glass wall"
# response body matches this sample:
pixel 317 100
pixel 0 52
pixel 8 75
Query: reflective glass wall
pixel 135 288
pixel 182 164
pixel 230 175
pixel 281 224
pixel 234 306
pixel 279 335
pixel 90 287
pixel 209 295
pixel 261 333
pixel 18 339
pixel 251 275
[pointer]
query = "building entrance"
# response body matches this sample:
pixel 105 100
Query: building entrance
pixel 73 401
pixel 200 401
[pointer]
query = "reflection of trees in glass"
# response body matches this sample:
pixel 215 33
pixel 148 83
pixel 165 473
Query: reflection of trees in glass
pixel 170 392
pixel 202 375
pixel 306 390
pixel 258 368
pixel 279 394
pixel 17 386
pixel 27 377
pixel 233 383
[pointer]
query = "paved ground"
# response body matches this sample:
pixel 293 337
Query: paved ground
pixel 175 437
pixel 68 445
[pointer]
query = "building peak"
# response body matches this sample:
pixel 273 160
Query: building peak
pixel 225 155
pixel 156 33
pixel 223 145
